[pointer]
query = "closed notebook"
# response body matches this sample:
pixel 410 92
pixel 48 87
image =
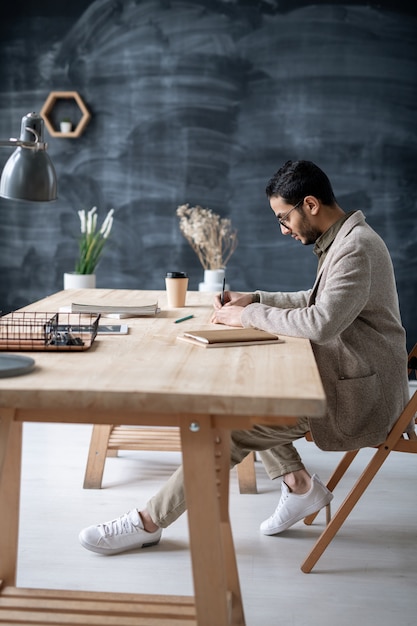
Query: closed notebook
pixel 229 337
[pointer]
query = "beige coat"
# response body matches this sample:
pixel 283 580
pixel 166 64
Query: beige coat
pixel 352 318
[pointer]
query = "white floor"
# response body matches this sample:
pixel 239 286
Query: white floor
pixel 368 575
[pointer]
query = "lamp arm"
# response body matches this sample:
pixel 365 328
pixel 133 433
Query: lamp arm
pixel 18 143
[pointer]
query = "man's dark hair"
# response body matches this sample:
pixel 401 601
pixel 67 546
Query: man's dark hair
pixel 297 179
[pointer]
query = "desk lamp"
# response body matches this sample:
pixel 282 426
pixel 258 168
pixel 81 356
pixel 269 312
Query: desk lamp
pixel 29 173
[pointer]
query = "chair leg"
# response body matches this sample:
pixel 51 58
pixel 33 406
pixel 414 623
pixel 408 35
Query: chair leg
pixel 345 508
pixel 97 456
pixel 333 481
pixel 328 513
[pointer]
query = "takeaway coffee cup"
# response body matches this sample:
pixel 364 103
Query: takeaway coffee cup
pixel 176 286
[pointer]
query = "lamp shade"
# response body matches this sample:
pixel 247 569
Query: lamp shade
pixel 29 173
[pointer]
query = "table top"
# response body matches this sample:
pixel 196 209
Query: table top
pixel 150 370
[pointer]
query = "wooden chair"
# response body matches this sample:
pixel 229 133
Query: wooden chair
pixel 400 439
pixel 106 440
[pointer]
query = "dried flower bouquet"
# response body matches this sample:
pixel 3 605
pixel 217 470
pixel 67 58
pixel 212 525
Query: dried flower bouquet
pixel 211 237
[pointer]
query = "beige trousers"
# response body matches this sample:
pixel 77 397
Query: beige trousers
pixel 278 454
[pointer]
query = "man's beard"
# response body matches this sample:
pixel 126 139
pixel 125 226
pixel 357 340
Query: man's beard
pixel 308 232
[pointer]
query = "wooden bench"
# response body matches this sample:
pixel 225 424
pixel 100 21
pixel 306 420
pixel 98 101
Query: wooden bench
pixel 43 607
pixel 106 440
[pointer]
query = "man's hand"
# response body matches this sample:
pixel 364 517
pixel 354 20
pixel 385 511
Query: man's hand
pixel 228 314
pixel 232 298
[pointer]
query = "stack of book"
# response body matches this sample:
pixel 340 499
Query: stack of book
pixel 116 311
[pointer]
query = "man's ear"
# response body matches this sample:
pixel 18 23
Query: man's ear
pixel 313 204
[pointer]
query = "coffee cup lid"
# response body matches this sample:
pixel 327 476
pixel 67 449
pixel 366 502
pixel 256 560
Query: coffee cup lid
pixel 176 275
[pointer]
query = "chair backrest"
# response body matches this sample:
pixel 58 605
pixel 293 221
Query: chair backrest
pixel 412 369
pixel 412 362
pixel 403 432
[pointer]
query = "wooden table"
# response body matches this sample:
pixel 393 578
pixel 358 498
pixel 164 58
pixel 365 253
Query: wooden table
pixel 149 378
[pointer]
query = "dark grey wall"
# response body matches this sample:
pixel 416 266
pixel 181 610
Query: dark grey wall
pixel 201 102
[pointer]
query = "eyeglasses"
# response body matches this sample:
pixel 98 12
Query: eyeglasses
pixel 283 219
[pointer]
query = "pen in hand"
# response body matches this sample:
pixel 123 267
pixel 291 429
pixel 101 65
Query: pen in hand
pixel 222 293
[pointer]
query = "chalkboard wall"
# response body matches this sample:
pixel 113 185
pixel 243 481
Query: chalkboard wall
pixel 200 102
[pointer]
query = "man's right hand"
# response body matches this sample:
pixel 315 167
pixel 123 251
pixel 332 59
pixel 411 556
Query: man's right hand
pixel 233 298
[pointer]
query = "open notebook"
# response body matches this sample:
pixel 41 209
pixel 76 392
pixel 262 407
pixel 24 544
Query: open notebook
pixel 222 338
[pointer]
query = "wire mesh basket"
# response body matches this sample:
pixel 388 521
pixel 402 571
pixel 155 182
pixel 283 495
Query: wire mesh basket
pixel 28 331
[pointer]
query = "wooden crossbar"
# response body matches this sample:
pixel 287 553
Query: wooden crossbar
pixel 46 607
pixel 143 438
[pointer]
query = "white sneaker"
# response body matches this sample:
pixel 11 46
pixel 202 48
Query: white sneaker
pixel 292 507
pixel 118 535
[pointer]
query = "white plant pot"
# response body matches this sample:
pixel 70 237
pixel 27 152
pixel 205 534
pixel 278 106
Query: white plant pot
pixel 72 280
pixel 213 280
pixel 65 127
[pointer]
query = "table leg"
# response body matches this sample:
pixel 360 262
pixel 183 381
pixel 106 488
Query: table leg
pixel 222 441
pixel 206 462
pixel 10 464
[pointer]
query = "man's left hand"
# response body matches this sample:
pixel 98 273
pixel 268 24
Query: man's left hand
pixel 228 315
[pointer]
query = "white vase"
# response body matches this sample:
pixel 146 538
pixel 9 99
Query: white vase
pixel 72 280
pixel 213 280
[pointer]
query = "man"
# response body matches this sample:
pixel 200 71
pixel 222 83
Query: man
pixel 351 316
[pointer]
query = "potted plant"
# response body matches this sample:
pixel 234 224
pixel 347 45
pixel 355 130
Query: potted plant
pixel 212 238
pixel 65 125
pixel 91 246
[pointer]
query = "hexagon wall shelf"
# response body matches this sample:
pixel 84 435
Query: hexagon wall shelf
pixel 69 102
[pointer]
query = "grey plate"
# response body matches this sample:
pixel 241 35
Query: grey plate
pixel 15 365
